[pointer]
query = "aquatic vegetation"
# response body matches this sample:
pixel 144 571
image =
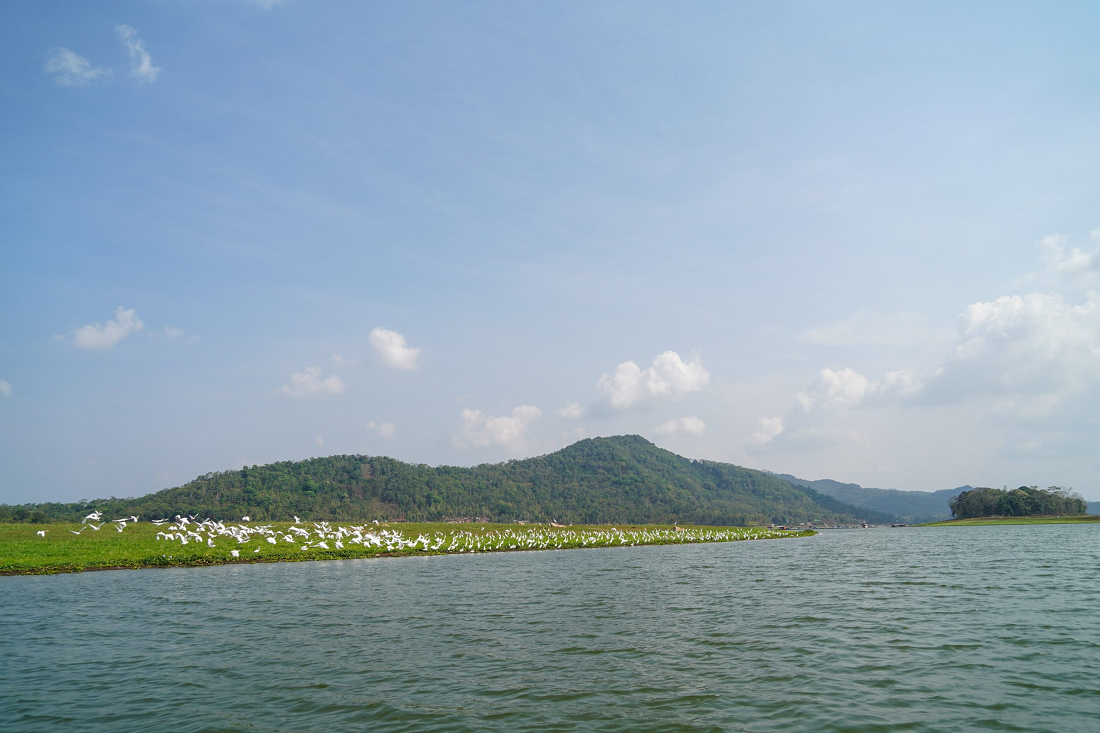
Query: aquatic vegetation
pixel 130 542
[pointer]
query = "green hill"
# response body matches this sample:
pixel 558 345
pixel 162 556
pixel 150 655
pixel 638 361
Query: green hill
pixel 909 506
pixel 624 479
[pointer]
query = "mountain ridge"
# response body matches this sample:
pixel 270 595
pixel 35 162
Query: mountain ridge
pixel 908 506
pixel 620 479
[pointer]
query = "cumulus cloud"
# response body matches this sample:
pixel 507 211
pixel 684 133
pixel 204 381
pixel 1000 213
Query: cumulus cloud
pixel 308 383
pixel 70 69
pixel 141 64
pixel 848 388
pixel 106 335
pixel 572 411
pixel 767 429
pixel 690 425
pixel 385 430
pixel 5 388
pixel 845 388
pixel 391 346
pixel 670 377
pixel 1033 344
pixel 482 430
pixel 1025 355
pixel 342 361
pixel 320 440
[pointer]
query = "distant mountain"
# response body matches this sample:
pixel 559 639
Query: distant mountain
pixel 909 506
pixel 624 479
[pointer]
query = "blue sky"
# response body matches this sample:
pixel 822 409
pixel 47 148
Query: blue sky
pixel 844 240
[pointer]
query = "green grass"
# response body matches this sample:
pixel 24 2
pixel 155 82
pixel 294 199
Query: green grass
pixel 22 552
pixel 981 521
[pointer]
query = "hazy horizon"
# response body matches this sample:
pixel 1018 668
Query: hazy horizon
pixel 858 242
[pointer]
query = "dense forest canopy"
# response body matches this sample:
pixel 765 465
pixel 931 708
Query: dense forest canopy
pixel 622 479
pixel 1026 501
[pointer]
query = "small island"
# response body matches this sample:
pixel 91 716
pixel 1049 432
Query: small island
pixel 1023 505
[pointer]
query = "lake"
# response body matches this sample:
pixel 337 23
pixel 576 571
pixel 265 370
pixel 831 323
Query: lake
pixel 965 628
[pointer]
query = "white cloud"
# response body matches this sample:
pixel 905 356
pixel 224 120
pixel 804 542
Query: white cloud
pixel 481 430
pixel 767 429
pixel 308 383
pixel 848 388
pixel 1033 357
pixel 844 388
pixel 341 361
pixel 5 388
pixel 320 440
pixel 572 411
pixel 1068 261
pixel 141 64
pixel 106 335
pixel 670 377
pixel 690 425
pixel 1036 344
pixel 70 69
pixel 171 332
pixel 386 430
pixel 391 346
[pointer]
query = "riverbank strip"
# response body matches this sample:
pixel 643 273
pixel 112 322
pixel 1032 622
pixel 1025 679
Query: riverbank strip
pixel 144 545
pixel 983 521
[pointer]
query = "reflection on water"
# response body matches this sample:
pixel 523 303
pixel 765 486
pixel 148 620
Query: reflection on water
pixel 992 628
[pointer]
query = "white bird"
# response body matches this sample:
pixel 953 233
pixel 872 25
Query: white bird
pixel 246 519
pixel 77 531
pixel 94 515
pixel 270 541
pixel 210 542
pixel 296 520
pixel 234 553
pixel 121 525
pixel 41 533
pixel 96 528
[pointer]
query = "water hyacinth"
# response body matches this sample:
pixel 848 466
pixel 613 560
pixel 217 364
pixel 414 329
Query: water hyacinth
pixel 321 534
pixel 100 543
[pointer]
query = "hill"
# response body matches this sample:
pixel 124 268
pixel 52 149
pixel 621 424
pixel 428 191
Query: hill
pixel 623 479
pixel 909 506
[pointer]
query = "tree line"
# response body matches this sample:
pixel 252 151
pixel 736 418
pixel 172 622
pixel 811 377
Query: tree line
pixel 1026 501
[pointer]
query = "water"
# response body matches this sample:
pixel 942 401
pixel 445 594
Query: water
pixel 990 628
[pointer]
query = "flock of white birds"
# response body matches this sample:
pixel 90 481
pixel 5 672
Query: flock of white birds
pixel 325 536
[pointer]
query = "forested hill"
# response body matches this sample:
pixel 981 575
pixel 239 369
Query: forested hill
pixel 908 506
pixel 623 479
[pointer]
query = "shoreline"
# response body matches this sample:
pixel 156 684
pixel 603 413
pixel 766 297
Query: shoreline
pixel 22 552
pixel 1001 521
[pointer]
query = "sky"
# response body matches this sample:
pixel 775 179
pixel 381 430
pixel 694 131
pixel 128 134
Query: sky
pixel 850 240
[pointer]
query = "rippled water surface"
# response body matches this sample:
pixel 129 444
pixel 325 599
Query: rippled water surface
pixel 993 628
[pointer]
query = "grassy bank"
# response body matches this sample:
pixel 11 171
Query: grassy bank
pixel 982 521
pixel 143 545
